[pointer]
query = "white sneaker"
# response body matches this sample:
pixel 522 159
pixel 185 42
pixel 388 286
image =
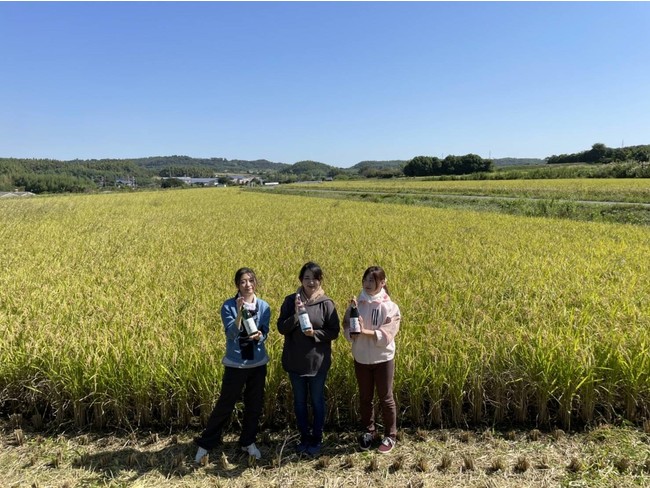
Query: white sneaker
pixel 252 450
pixel 200 454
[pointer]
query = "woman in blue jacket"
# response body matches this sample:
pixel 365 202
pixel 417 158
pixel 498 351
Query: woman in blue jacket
pixel 245 366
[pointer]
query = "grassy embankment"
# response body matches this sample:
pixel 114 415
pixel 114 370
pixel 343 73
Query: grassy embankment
pixel 601 200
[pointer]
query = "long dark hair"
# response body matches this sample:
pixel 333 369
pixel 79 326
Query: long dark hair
pixel 378 274
pixel 241 272
pixel 315 269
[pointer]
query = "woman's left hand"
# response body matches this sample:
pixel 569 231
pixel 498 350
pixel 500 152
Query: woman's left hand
pixel 257 336
pixel 364 331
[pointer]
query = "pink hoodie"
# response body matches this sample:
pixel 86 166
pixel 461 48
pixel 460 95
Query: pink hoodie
pixel 381 314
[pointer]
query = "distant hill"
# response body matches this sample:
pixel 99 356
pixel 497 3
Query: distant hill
pixel 218 165
pixel 56 176
pixel 400 163
pixel 180 165
pixel 379 164
pixel 310 170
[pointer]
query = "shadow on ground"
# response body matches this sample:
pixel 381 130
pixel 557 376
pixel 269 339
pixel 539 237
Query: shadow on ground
pixel 176 459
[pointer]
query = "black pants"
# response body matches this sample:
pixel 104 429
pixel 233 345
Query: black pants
pixel 251 381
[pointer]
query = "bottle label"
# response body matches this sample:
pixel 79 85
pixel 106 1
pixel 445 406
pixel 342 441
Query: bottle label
pixel 249 326
pixel 355 328
pixel 305 323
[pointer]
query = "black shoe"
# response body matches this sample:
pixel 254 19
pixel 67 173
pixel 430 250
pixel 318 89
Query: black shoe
pixel 302 447
pixel 314 449
pixel 365 441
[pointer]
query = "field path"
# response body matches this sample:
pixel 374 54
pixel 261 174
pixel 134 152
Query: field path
pixel 461 196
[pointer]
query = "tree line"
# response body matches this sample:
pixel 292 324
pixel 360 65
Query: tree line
pixel 451 165
pixel 601 154
pixel 54 176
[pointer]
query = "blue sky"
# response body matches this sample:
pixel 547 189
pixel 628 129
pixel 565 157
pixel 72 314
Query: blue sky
pixel 335 82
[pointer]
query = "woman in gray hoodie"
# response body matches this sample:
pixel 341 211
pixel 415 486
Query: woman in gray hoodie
pixel 307 352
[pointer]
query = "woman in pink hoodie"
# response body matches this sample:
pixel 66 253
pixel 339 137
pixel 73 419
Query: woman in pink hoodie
pixel 373 350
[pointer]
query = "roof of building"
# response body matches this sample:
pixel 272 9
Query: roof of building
pixel 16 194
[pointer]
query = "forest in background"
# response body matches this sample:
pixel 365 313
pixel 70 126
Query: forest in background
pixel 55 176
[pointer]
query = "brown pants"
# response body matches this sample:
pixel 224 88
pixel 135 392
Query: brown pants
pixel 380 376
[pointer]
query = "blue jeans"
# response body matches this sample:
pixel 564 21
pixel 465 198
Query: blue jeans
pixel 315 387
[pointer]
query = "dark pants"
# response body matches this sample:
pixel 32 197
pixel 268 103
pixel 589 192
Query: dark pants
pixel 251 381
pixel 380 376
pixel 314 387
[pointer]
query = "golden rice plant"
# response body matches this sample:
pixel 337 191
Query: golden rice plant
pixel 109 306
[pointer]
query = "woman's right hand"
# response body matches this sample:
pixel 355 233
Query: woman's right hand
pixel 240 304
pixel 297 304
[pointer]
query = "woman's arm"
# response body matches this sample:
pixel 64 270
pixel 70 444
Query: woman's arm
pixel 264 321
pixel 231 320
pixel 287 321
pixel 387 331
pixel 346 324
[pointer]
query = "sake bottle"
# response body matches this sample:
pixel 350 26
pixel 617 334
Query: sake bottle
pixel 303 316
pixel 249 322
pixel 355 327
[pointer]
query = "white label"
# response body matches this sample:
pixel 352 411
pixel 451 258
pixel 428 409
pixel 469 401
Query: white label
pixel 305 323
pixel 355 328
pixel 249 325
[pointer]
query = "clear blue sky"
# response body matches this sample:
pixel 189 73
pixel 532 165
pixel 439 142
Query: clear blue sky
pixel 332 82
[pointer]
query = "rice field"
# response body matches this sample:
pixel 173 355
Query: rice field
pixel 636 190
pixel 109 307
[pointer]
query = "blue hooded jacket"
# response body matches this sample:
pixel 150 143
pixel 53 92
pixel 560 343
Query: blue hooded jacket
pixel 238 345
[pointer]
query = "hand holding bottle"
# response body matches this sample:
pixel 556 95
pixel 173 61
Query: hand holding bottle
pixel 355 320
pixel 303 317
pixel 240 305
pixel 250 327
pixel 366 331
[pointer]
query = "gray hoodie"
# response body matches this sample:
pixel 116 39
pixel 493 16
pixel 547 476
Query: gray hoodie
pixel 302 354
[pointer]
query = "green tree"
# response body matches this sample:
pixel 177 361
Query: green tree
pixel 597 153
pixel 419 166
pixel 172 183
pixel 641 155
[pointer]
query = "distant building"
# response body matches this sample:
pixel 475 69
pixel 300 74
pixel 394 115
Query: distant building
pixel 195 181
pixel 242 180
pixel 130 182
pixel 204 181
pixel 16 194
pixel 250 180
